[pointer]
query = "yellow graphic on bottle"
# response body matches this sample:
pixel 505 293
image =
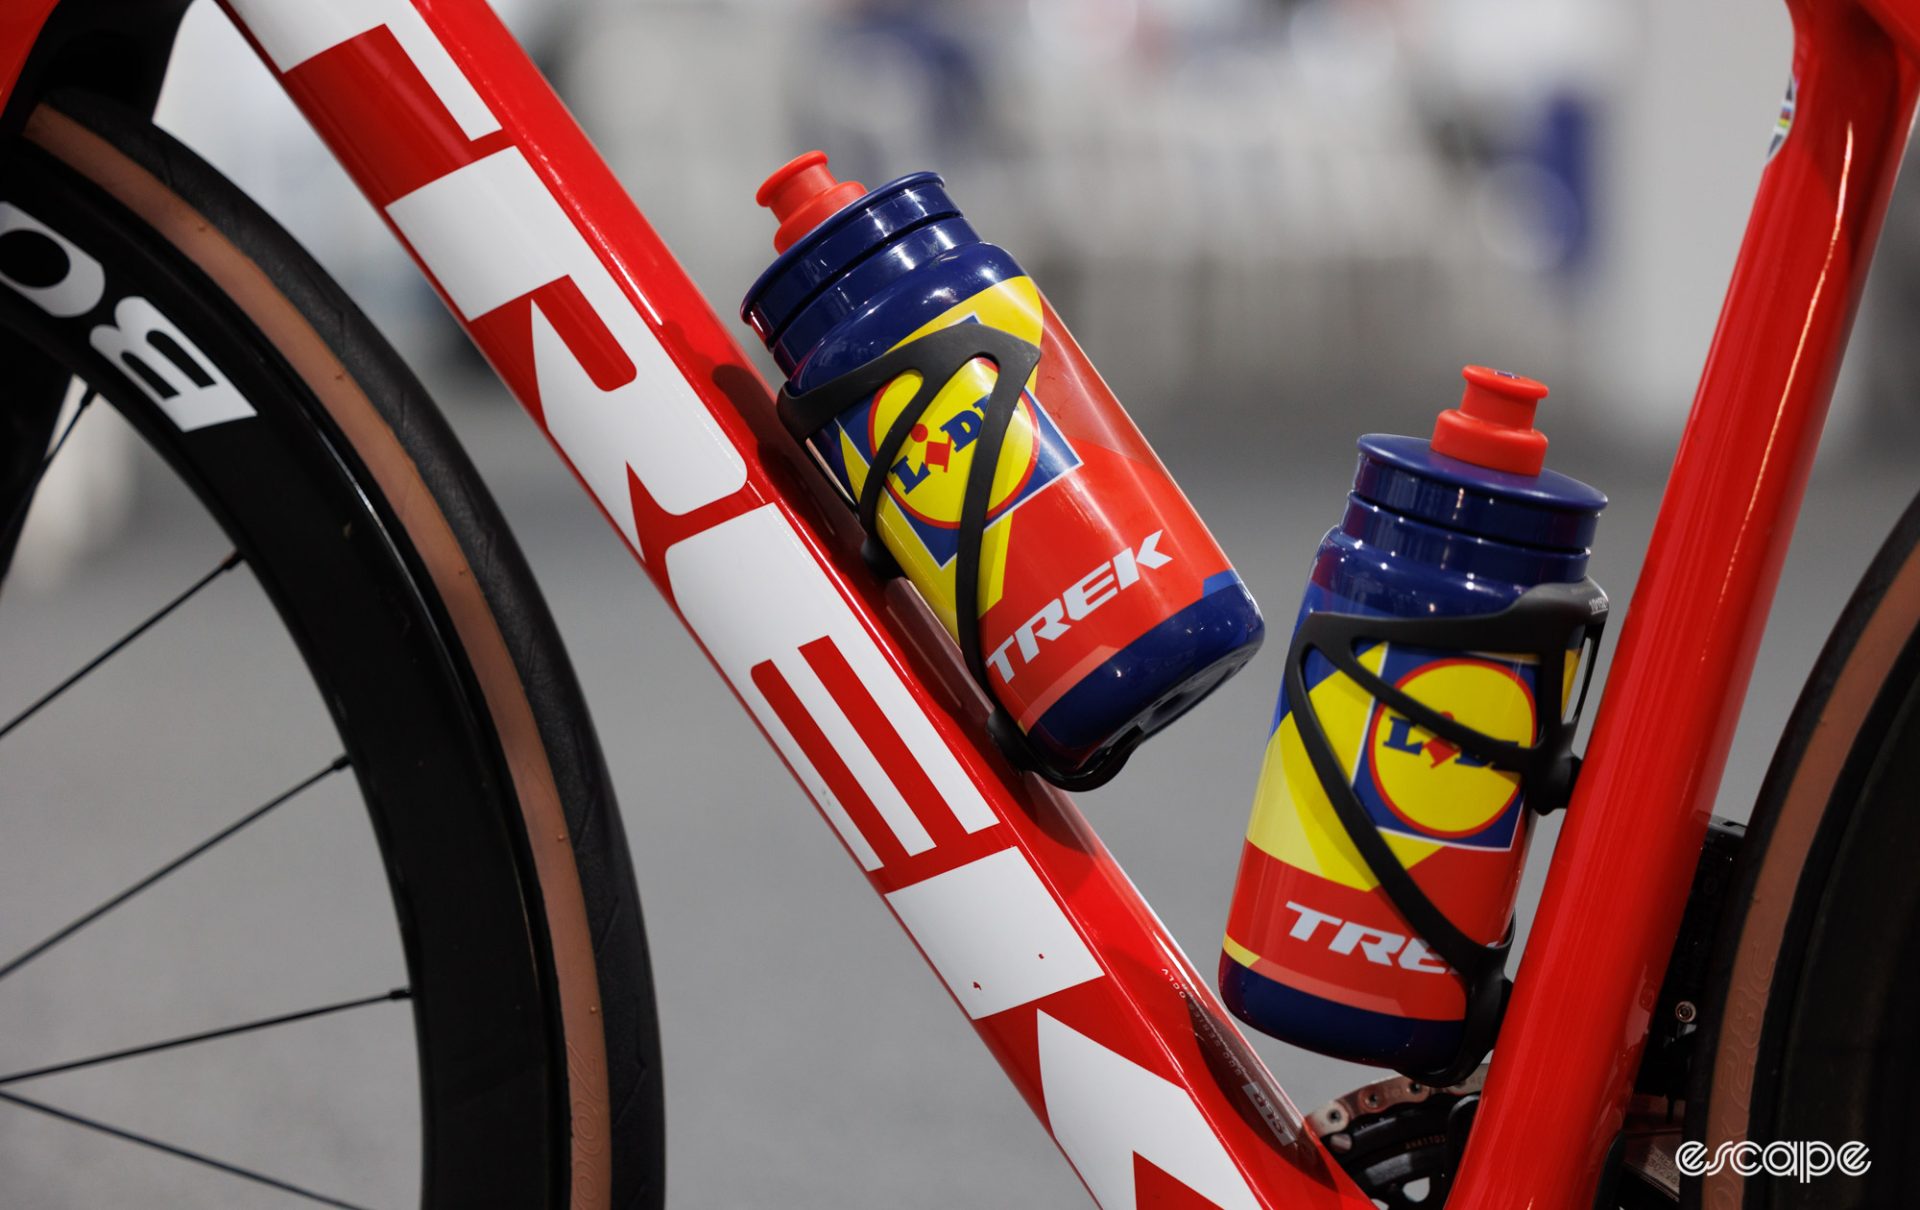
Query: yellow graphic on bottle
pixel 1293 820
pixel 919 515
pixel 1421 791
pixel 1433 786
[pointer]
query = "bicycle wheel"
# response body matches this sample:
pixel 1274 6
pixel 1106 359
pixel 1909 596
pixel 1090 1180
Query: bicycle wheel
pixel 1814 997
pixel 128 263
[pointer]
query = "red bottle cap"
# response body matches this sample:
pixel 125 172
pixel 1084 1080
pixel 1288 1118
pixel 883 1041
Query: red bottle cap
pixel 802 194
pixel 1493 426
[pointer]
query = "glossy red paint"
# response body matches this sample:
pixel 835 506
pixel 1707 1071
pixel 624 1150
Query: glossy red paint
pixel 1620 875
pixel 20 22
pixel 369 98
pixel 1901 19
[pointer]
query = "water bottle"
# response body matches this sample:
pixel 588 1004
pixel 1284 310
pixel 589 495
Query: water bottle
pixel 1438 652
pixel 1101 608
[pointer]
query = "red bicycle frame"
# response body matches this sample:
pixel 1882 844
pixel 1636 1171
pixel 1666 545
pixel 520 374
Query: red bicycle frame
pixel 1116 1042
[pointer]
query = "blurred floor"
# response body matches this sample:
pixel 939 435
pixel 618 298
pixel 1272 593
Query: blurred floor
pixel 812 1060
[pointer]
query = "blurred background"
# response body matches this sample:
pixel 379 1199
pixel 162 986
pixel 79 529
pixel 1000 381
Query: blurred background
pixel 1274 225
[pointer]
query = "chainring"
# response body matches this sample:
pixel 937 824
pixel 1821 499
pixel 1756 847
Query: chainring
pixel 1401 1140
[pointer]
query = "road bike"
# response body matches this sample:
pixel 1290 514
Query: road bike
pixel 1758 995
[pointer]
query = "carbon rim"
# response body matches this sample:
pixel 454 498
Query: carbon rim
pixel 326 552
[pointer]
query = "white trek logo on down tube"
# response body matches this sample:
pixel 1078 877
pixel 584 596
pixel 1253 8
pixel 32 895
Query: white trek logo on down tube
pixel 491 232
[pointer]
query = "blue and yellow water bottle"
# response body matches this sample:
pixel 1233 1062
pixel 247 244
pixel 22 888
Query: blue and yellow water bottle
pixel 1101 607
pixel 1437 650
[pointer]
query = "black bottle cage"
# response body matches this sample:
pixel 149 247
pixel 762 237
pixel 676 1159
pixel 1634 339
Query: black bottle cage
pixel 936 357
pixel 1544 623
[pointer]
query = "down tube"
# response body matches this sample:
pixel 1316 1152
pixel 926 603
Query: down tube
pixel 1620 875
pixel 1114 1040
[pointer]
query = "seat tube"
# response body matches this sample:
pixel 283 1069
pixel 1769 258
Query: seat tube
pixel 1619 878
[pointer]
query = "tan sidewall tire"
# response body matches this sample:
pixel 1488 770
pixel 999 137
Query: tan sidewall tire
pixel 1755 940
pixel 252 290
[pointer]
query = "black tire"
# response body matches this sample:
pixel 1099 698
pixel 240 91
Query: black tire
pixel 1813 1019
pixel 395 574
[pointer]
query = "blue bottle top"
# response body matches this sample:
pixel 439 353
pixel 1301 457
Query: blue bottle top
pixel 842 264
pixel 1424 550
pixel 1407 475
pixel 1466 522
pixel 1483 475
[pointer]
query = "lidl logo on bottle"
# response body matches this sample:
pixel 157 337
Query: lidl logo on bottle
pixel 1431 787
pixel 929 479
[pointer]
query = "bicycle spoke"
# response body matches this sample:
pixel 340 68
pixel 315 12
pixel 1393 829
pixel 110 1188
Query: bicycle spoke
pixel 226 565
pixel 170 1149
pixel 114 1056
pixel 18 517
pixel 82 921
